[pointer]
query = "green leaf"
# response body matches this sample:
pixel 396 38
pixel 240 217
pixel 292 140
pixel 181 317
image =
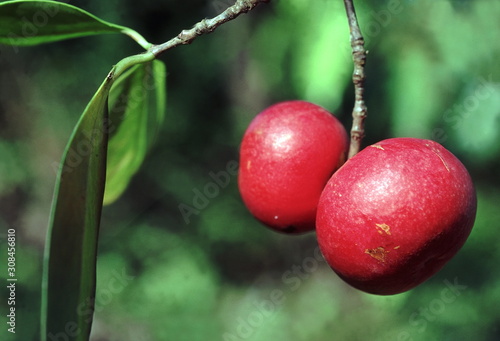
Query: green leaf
pixel 137 108
pixel 70 255
pixel 25 23
pixel 69 278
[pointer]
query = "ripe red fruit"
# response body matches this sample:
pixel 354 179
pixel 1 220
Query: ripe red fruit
pixel 288 153
pixel 394 214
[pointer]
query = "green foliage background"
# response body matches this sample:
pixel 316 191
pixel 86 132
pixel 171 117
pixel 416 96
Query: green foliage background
pixel 433 72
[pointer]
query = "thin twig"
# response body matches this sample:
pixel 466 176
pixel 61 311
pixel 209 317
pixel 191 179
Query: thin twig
pixel 206 26
pixel 358 78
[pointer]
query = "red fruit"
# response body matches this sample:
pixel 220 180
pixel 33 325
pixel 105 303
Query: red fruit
pixel 394 214
pixel 287 155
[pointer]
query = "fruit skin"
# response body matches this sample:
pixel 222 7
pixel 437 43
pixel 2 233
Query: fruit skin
pixel 288 153
pixel 394 214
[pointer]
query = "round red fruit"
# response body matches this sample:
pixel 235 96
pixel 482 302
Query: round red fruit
pixel 288 153
pixel 394 214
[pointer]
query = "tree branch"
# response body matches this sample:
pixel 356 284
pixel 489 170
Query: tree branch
pixel 206 26
pixel 358 78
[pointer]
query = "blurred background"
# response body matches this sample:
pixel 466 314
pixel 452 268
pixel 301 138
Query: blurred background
pixel 216 273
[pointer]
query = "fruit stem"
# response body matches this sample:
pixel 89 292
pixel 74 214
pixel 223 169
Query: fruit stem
pixel 359 111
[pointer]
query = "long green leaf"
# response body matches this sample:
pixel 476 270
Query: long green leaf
pixel 34 22
pixel 68 284
pixel 69 274
pixel 137 107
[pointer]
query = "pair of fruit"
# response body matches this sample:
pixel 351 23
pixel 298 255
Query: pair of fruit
pixel 386 220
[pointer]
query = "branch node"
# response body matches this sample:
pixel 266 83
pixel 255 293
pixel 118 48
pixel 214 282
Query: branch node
pixel 359 112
